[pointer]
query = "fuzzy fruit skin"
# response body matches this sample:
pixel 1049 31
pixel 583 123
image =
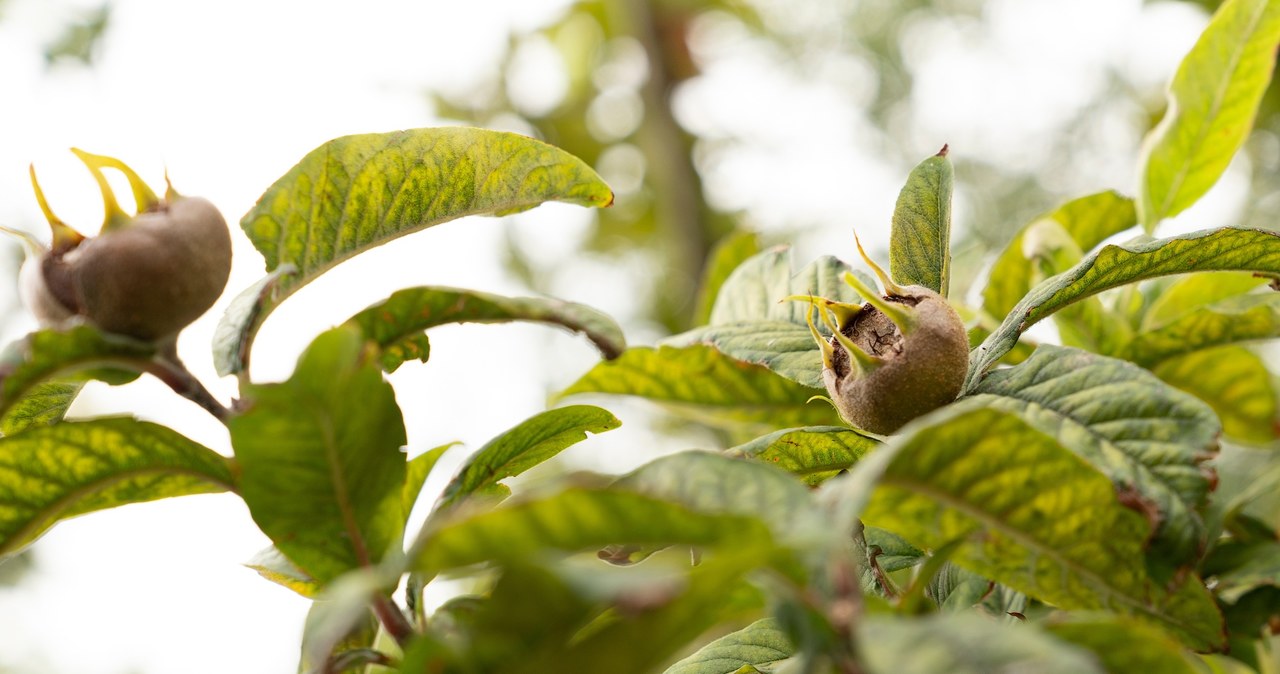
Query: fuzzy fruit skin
pixel 150 279
pixel 926 374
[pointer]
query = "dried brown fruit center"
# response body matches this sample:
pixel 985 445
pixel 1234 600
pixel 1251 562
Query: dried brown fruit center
pixel 873 332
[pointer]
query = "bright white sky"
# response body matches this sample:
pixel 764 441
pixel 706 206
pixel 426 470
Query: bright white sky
pixel 229 95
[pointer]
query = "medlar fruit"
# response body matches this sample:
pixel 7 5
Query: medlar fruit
pixel 896 357
pixel 146 276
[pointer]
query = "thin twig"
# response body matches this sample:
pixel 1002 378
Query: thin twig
pixel 393 619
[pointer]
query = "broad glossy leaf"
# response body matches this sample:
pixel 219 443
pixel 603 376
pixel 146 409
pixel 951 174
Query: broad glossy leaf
pixel 573 520
pixel 1122 646
pixel 815 454
pixel 232 337
pixel 56 354
pixel 701 381
pixel 728 255
pixel 271 564
pixel 1226 249
pixel 1236 383
pixel 1236 319
pixel 1148 437
pixel 1029 514
pixel 51 473
pixel 356 192
pixel 530 443
pixel 1088 220
pixel 396 323
pixel 761 643
pixel 44 404
pixel 1213 100
pixel 321 464
pixel 920 241
pixel 965 643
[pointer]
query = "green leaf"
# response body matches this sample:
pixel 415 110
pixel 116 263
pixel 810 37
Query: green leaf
pixel 1197 291
pixel 531 442
pixel 1244 567
pixel 1088 220
pixel 728 255
pixel 396 323
pixel 1236 383
pixel 786 349
pixel 573 520
pixel 759 644
pixel 1030 514
pixel 1148 437
pixel 705 383
pixel 1213 100
pixel 44 404
pixel 815 454
pixel 964 643
pixel 1226 249
pixel 51 473
pixel 57 354
pixel 356 192
pixel 920 241
pixel 271 564
pixel 234 335
pixel 323 476
pixel 1236 319
pixel 340 617
pixel 1122 646
pixel 417 472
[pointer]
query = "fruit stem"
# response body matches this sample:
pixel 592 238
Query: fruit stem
pixel 894 311
pixel 115 217
pixel 169 369
pixel 64 237
pixel 145 199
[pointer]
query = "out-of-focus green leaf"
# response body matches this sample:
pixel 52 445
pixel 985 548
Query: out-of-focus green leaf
pixel 1187 294
pixel 531 442
pixel 1213 99
pixel 1236 319
pixel 891 551
pixel 815 454
pixel 232 337
pixel 271 564
pixel 56 354
pixel 1029 514
pixel 417 472
pixel 44 404
pixel 1122 646
pixel 1088 220
pixel 920 241
pixel 322 469
pixel 1243 567
pixel 965 643
pixel 1236 383
pixel 1225 249
pixel 1148 437
pixel 728 255
pixel 762 643
pixel 79 39
pixel 340 617
pixel 51 473
pixel 356 192
pixel 572 520
pixel 396 323
pixel 701 381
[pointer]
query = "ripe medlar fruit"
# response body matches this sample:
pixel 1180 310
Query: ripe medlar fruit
pixel 896 357
pixel 146 276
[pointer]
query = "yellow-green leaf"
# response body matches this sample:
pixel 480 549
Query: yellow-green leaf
pixel 1122 646
pixel 815 454
pixel 728 255
pixel 964 643
pixel 44 404
pixel 1236 319
pixel 920 240
pixel 1213 100
pixel 51 473
pixel 83 350
pixel 271 564
pixel 1236 383
pixel 762 643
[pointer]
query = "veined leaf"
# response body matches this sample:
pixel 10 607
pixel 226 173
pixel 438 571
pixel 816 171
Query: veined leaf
pixel 51 473
pixel 1236 319
pixel 761 643
pixel 1030 514
pixel 1187 294
pixel 573 520
pixel 730 253
pixel 231 339
pixel 1088 220
pixel 271 564
pixel 965 643
pixel 396 323
pixel 920 241
pixel 1148 437
pixel 56 354
pixel 702 381
pixel 1225 249
pixel 1122 646
pixel 1213 100
pixel 356 192
pixel 44 404
pixel 786 349
pixel 815 454
pixel 1236 383
pixel 323 476
pixel 530 443
pixel 753 293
